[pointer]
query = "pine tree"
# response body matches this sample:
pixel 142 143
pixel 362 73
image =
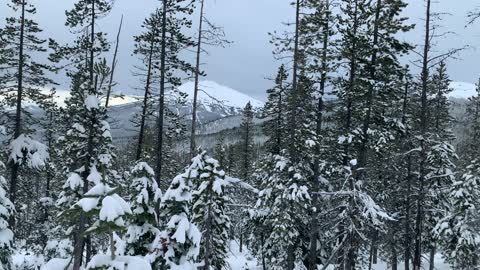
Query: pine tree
pixel 246 128
pixel 103 205
pixel 22 77
pixel 179 241
pixel 173 21
pixel 283 200
pixel 8 209
pixel 143 224
pixel 274 113
pixel 209 214
pixel 88 138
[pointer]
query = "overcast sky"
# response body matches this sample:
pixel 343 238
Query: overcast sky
pixel 246 63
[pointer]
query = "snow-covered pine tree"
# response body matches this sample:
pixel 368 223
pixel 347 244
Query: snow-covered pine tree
pixel 318 31
pixel 274 113
pixel 143 223
pixel 87 139
pixel 84 147
pixel 105 208
pixel 7 210
pixel 179 241
pixel 23 75
pixel 366 94
pixel 457 230
pixel 247 154
pixel 297 152
pixel 282 208
pixel 209 201
pixel 220 150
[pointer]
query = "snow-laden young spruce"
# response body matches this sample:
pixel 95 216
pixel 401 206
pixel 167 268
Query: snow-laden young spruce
pixel 458 230
pixel 281 209
pixel 178 245
pixel 7 209
pixel 143 223
pixel 209 201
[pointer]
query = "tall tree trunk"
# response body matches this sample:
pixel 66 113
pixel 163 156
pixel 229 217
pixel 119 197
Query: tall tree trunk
pixel 313 252
pixel 423 122
pixel 433 250
pixel 14 165
pixel 351 253
pixel 197 78
pixel 293 124
pixel 408 178
pixel 370 93
pixel 143 117
pixel 208 239
pixel 394 258
pixel 290 257
pixel 80 234
pixel 161 103
pixel 114 63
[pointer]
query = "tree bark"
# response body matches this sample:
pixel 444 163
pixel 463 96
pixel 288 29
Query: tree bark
pixel 313 252
pixel 293 124
pixel 145 104
pixel 114 64
pixel 423 122
pixel 351 253
pixel 161 105
pixel 432 258
pixel 14 166
pixel 80 237
pixel 197 78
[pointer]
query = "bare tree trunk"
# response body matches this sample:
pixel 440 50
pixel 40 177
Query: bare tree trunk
pixel 197 78
pixel 14 166
pixel 241 241
pixel 112 246
pixel 408 252
pixel 290 258
pixel 313 252
pixel 433 250
pixel 161 105
pixel 419 219
pixel 114 64
pixel 145 103
pixel 208 239
pixel 264 263
pixel 394 258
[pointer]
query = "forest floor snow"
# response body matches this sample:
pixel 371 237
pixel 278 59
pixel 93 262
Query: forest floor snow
pixel 237 260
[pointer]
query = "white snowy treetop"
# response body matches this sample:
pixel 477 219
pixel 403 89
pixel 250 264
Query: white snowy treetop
pixel 25 149
pixel 180 193
pixel 74 182
pixel 113 208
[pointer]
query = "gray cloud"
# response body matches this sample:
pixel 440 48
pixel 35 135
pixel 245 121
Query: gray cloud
pixel 245 64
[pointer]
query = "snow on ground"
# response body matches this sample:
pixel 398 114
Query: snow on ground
pixel 462 90
pixel 245 261
pixel 241 261
pixel 214 93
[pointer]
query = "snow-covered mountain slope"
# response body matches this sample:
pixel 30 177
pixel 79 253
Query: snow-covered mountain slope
pixel 462 90
pixel 62 95
pixel 212 93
